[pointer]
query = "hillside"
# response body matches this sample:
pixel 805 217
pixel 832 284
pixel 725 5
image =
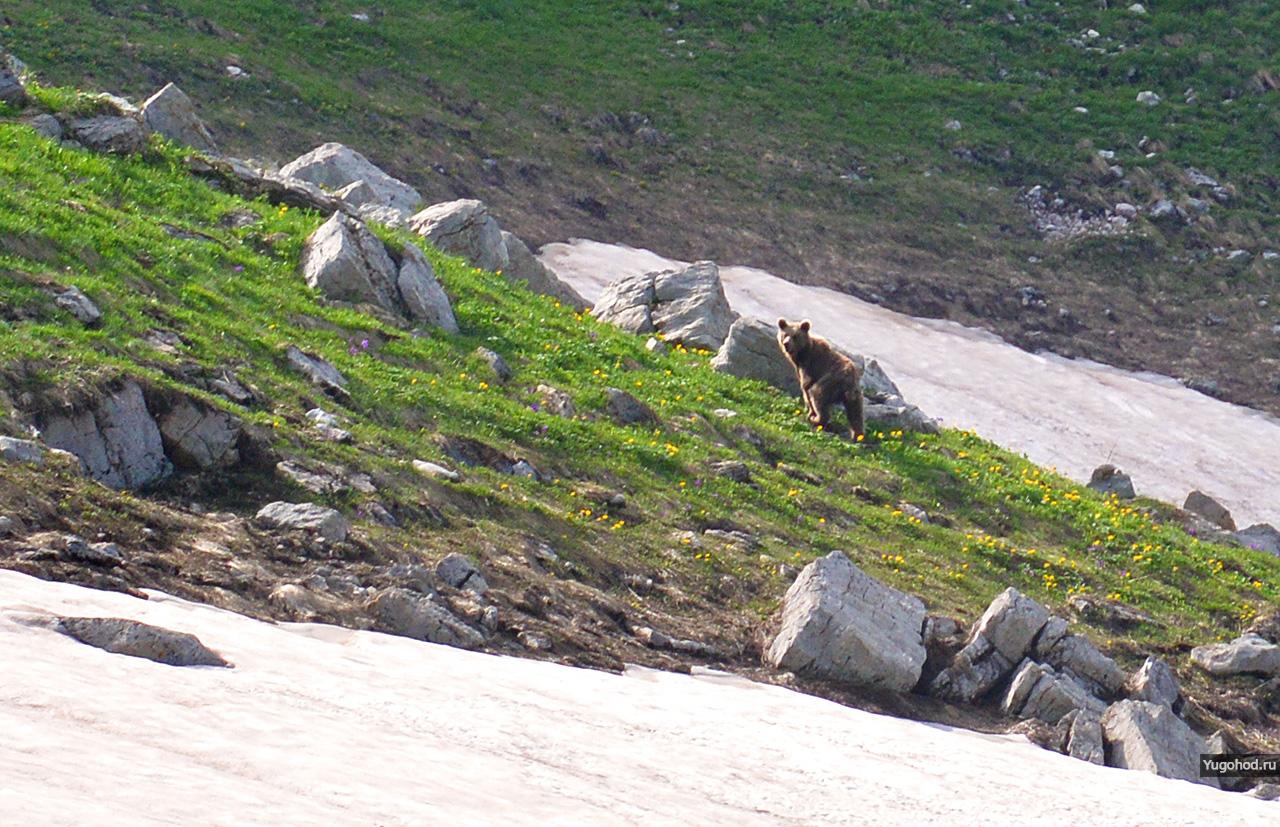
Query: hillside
pixel 885 149
pixel 667 544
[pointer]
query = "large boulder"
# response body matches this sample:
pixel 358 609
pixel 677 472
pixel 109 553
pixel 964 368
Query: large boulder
pixel 1037 691
pixel 399 611
pixel 1155 682
pixel 116 439
pixel 1247 654
pixel 750 351
pixel 688 305
pixel 140 640
pixel 308 517
pixel 198 437
pixel 523 266
pixel 899 415
pixel 1206 507
pixel 172 114
pixel 998 641
pixel 423 298
pixel 118 134
pixel 1260 536
pixel 347 262
pixel 1146 736
pixel 464 228
pixel 839 623
pixel 1078 657
pixel 1107 479
pixel 334 166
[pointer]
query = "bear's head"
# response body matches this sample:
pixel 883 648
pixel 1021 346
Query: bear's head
pixel 793 338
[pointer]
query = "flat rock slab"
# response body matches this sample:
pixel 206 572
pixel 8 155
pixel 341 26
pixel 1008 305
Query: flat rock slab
pixel 1247 654
pixel 1147 736
pixel 317 519
pixel 140 640
pixel 840 623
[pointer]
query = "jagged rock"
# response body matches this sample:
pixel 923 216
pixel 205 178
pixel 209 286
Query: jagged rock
pixel 1083 736
pixel 1154 682
pixel 315 481
pixel 12 91
pixel 346 262
pixel 556 402
pixel 1078 657
pixel 246 179
pixel 901 416
pixel 197 437
pixel 116 441
pixel 118 134
pixel 655 345
pixel 421 293
pixel 401 612
pixel 1202 505
pixel 1260 536
pixel 1163 208
pixel 732 469
pixel 1220 743
pixel 140 640
pixel 431 469
pixel 876 384
pixel 1249 653
pixel 750 351
pixel 841 624
pixel 1037 691
pixel 459 572
pixel 501 370
pixel 172 114
pixel 523 266
pixel 999 640
pixel 628 303
pixel 21 450
pixel 1148 97
pixel 1146 736
pixel 309 517
pixel 688 306
pixel 46 126
pixel 524 468
pixel 317 370
pixel 464 228
pixel 1107 479
pixel 79 305
pixel 334 166
pixel 627 410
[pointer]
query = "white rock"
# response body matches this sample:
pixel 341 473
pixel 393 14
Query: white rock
pixel 1037 691
pixel 421 293
pixel 1248 653
pixel 116 440
pixel 334 166
pixel 402 612
pixel 1147 736
pixel 172 114
pixel 691 307
pixel 309 517
pixel 347 262
pixel 464 228
pixel 1154 682
pixel 431 469
pixel 1137 9
pixel 1148 97
pixel 841 624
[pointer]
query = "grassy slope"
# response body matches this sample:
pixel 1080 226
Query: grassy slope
pixel 237 300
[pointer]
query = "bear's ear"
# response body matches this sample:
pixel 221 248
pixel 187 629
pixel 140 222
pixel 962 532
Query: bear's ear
pixel 805 325
pixel 782 324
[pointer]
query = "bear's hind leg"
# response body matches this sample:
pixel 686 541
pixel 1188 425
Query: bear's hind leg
pixel 853 409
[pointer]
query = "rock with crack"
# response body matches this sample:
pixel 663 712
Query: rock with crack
pixel 423 298
pixel 319 371
pixel 627 410
pixel 346 262
pixel 140 640
pixel 1155 683
pixel 839 623
pixel 1037 691
pixel 464 228
pixel 21 450
pixel 628 303
pixel 1079 658
pixel 1146 736
pixel 79 305
pixel 116 440
pixel 198 437
pixel 1247 654
pixel 116 134
pixel 998 641
pixel 687 305
pixel 334 166
pixel 1081 731
pixel 523 266
pixel 172 114
pixel 1206 507
pixel 1107 479
pixel 409 614
pixel 458 571
pixel 308 517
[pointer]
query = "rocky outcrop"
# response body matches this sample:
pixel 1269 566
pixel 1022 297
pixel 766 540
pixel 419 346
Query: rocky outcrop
pixel 401 612
pixel 1146 736
pixel 1155 683
pixel 839 623
pixel 115 439
pixel 140 640
pixel 688 306
pixel 251 181
pixel 117 134
pixel 21 450
pixel 1037 691
pixel 901 416
pixel 334 166
pixel 464 228
pixel 309 517
pixel 1206 507
pixel 1076 656
pixel 998 641
pixel 523 266
pixel 1248 654
pixel 1107 479
pixel 172 114
pixel 199 438
pixel 1260 536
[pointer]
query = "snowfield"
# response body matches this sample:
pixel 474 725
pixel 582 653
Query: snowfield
pixel 1069 414
pixel 321 725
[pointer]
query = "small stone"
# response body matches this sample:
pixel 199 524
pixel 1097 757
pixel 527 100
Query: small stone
pixel 439 472
pixel 79 305
pixel 1107 479
pixel 534 642
pixel 953 125
pixel 1137 9
pixel 1148 97
pixel 627 410
pixel 21 450
pixel 655 345
pixel 46 126
pixel 496 363
pixel 324 522
pixel 459 572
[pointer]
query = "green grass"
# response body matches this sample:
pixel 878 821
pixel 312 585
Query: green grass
pixel 237 300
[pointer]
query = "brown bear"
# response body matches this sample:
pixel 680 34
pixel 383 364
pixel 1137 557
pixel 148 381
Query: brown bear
pixel 826 375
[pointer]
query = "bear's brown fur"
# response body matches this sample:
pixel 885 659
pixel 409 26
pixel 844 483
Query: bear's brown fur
pixel 826 375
